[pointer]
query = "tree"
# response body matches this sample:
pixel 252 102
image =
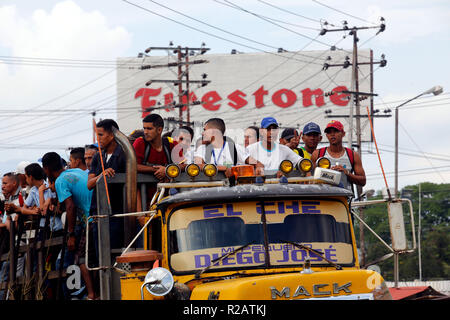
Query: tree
pixel 435 229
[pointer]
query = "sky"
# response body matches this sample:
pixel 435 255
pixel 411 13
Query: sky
pixel 57 65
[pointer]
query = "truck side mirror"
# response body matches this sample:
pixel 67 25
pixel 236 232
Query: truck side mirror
pixel 397 226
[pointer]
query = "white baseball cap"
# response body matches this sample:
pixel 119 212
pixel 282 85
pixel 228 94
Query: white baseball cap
pixel 21 167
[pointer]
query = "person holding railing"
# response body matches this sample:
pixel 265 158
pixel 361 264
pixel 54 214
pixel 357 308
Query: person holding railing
pixel 71 189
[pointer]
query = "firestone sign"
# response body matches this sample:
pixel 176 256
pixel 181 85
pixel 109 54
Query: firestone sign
pixel 244 88
pixel 212 100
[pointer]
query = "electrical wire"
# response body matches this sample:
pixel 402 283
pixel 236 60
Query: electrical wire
pixel 340 11
pixel 50 125
pixel 274 23
pixel 423 153
pixel 202 31
pixel 291 12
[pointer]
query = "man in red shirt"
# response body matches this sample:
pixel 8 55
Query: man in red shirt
pixel 154 153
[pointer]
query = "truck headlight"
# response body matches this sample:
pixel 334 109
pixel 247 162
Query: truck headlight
pixel 286 166
pixel 193 170
pixel 305 165
pixel 210 170
pixel 172 171
pixel 323 163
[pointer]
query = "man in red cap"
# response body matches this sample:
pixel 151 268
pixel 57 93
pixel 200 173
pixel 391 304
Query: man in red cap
pixel 342 159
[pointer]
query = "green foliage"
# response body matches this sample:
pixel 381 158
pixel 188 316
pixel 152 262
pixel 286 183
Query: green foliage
pixel 435 238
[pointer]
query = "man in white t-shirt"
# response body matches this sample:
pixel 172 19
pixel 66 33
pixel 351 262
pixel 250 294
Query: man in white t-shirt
pixel 219 149
pixel 267 151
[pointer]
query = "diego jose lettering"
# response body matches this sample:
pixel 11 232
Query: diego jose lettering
pixel 255 254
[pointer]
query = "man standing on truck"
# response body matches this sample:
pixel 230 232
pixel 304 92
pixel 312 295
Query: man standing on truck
pixel 71 190
pixel 218 149
pixel 114 161
pixel 154 153
pixel 342 159
pixel 311 136
pixel 267 151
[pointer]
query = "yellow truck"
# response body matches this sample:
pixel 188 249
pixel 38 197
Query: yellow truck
pixel 208 237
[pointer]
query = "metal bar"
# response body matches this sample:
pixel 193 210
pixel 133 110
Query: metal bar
pixel 192 184
pixel 104 248
pixel 175 49
pixel 131 181
pixel 266 238
pixel 61 262
pixel 135 238
pixel 179 81
pixel 12 257
pixel 291 179
pixel 173 64
pixel 370 229
pixel 360 116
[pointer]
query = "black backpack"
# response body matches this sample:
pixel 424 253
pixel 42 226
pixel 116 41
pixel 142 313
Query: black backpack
pixel 166 148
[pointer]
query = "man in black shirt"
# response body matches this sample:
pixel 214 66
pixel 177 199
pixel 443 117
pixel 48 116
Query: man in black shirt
pixel 114 161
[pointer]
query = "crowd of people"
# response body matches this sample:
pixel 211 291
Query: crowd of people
pixel 56 186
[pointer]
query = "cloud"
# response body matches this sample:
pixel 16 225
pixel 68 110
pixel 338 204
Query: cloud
pixel 66 31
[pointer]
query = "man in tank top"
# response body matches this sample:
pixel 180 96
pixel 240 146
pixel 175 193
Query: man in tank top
pixel 342 159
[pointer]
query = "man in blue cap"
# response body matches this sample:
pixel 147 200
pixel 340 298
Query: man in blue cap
pixel 311 136
pixel 267 151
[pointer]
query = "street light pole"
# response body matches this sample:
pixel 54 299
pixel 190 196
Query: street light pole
pixel 435 90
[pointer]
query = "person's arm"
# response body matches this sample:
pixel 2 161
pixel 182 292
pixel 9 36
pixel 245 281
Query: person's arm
pixel 314 157
pixel 71 218
pixel 92 178
pixel 28 211
pixel 41 191
pixel 96 172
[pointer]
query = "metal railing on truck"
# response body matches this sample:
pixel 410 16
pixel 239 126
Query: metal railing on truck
pixel 27 246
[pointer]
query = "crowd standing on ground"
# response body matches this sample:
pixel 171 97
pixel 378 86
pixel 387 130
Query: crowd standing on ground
pixel 66 191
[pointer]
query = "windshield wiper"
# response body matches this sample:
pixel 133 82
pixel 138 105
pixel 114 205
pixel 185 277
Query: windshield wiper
pixel 213 262
pixel 338 267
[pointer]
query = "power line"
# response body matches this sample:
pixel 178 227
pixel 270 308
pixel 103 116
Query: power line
pixel 294 13
pixel 340 11
pixel 202 31
pixel 274 23
pixel 406 131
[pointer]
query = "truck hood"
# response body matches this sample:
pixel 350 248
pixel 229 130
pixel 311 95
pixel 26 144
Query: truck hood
pixel 339 284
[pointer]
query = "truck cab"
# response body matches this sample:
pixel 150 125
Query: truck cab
pixel 208 237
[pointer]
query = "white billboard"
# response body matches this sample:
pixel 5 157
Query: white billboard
pixel 293 87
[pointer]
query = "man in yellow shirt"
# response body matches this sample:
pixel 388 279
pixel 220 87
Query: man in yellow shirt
pixel 311 136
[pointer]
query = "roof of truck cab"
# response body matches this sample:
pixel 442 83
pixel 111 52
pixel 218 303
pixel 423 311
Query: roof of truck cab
pixel 256 192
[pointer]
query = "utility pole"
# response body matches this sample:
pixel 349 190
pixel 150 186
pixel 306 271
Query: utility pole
pixel 420 232
pixel 355 102
pixel 182 75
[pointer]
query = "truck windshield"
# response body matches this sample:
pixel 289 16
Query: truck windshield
pixel 198 235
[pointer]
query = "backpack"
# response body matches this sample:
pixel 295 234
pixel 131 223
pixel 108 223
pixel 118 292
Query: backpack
pixel 166 147
pixel 231 146
pixel 350 155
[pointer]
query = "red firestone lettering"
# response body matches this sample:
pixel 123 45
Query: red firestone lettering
pixel 282 98
pixel 277 98
pixel 307 97
pixel 259 97
pixel 192 98
pixel 146 102
pixel 168 99
pixel 209 99
pixel 340 99
pixel 235 97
